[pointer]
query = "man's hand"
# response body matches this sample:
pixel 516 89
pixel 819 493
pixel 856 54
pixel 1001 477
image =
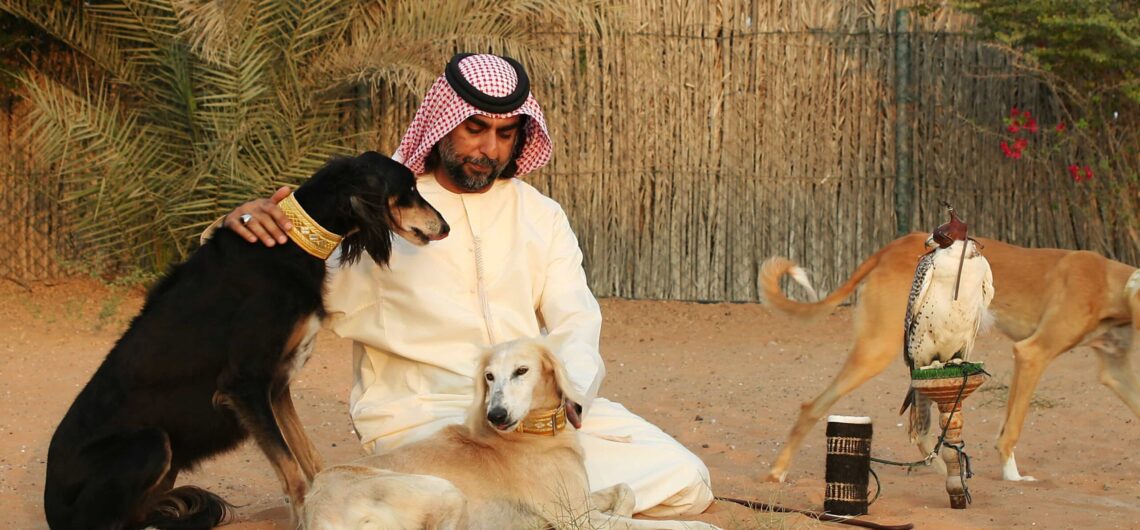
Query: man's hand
pixel 266 221
pixel 573 413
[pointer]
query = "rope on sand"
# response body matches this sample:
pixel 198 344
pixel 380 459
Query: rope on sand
pixel 821 516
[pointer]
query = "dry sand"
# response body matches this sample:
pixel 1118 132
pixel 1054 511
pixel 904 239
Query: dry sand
pixel 724 379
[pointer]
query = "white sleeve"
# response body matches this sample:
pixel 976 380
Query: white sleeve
pixel 348 290
pixel 571 314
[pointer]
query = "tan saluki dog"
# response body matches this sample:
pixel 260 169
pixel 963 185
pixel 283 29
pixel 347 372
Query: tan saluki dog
pixel 1047 300
pixel 516 463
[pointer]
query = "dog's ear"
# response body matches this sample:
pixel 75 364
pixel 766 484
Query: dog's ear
pixel 371 234
pixel 369 203
pixel 550 359
pixel 480 369
pixel 476 416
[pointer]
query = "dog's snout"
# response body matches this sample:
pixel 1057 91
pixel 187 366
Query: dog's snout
pixel 436 233
pixel 497 415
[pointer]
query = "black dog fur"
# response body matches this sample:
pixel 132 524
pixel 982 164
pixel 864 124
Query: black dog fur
pixel 207 363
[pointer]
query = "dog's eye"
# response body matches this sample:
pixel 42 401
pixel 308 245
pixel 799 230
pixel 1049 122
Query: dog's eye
pixel 490 376
pixel 522 370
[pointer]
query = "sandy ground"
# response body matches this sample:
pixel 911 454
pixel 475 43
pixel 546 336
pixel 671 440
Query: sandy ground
pixel 725 379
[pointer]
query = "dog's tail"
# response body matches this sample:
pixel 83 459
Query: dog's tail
pixel 775 268
pixel 188 507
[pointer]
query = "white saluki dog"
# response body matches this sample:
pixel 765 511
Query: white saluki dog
pixel 516 463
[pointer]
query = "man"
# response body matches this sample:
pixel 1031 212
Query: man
pixel 510 268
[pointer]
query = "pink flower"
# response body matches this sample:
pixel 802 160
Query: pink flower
pixel 1013 113
pixel 1020 144
pixel 1088 173
pixel 1016 155
pixel 1032 126
pixel 1061 127
pixel 1013 127
pixel 1075 171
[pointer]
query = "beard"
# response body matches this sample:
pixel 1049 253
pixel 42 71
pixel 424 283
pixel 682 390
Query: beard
pixel 454 164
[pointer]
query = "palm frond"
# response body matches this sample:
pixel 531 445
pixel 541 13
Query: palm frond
pixel 105 159
pixel 212 28
pixel 215 102
pixel 135 21
pixel 404 43
pixel 79 31
pixel 317 24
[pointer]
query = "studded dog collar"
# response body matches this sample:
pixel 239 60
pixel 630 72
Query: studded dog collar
pixel 307 233
pixel 544 421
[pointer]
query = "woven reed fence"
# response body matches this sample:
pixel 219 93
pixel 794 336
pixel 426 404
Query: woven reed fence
pixel 31 240
pixel 706 136
pixel 723 133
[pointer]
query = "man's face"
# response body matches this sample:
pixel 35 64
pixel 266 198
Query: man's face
pixel 475 153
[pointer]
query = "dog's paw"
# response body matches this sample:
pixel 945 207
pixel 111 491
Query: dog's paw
pixel 1009 472
pixel 776 476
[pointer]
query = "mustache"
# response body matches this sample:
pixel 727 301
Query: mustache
pixel 483 161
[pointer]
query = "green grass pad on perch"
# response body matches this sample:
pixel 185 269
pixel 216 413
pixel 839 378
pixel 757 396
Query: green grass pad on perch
pixel 953 370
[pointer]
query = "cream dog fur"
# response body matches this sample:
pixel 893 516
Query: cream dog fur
pixel 484 474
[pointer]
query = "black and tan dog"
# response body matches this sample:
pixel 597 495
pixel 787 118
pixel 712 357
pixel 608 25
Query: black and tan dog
pixel 208 361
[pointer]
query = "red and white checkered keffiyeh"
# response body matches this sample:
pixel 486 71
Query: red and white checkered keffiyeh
pixel 443 110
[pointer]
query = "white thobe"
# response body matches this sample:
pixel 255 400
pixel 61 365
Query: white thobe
pixel 510 268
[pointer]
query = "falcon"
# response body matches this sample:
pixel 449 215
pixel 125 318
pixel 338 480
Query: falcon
pixel 952 289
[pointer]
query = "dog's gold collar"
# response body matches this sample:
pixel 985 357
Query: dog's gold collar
pixel 307 233
pixel 544 422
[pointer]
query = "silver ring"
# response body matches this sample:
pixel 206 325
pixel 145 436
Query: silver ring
pixel 245 218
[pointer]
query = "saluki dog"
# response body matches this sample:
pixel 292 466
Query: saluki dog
pixel 1047 300
pixel 515 463
pixel 208 360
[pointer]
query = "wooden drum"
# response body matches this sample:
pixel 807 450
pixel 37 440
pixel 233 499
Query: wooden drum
pixel 848 464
